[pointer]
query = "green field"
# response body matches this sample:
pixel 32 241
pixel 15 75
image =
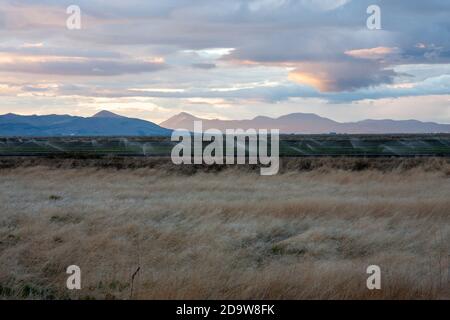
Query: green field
pixel 290 146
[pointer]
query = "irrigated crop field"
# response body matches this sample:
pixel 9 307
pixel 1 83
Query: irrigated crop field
pixel 290 146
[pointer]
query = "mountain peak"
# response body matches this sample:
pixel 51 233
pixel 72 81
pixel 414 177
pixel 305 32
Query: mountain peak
pixel 179 119
pixel 10 115
pixel 185 115
pixel 104 123
pixel 106 114
pixel 301 115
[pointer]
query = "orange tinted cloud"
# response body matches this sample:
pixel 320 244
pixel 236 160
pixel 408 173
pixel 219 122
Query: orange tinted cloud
pixel 7 89
pixel 320 76
pixel 317 80
pixel 372 53
pixel 341 76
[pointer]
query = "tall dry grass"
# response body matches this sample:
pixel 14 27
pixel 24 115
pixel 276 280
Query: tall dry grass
pixel 304 234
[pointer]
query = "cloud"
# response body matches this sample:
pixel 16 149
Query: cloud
pixel 372 53
pixel 205 66
pixel 341 76
pixel 19 16
pixel 40 49
pixel 308 48
pixel 324 4
pixel 7 89
pixel 81 67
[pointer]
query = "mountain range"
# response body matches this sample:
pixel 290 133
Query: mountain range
pixel 309 123
pixel 106 123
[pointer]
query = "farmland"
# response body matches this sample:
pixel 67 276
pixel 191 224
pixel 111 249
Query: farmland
pixel 116 207
pixel 290 146
pixel 199 232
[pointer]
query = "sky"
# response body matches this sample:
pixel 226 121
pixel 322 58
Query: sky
pixel 227 59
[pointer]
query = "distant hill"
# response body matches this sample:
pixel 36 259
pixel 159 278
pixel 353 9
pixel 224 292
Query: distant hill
pixel 106 114
pixel 104 123
pixel 308 123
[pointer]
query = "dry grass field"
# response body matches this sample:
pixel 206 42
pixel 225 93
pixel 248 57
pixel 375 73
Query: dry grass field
pixel 308 233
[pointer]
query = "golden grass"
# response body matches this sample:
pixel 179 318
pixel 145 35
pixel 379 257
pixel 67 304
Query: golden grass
pixel 226 235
